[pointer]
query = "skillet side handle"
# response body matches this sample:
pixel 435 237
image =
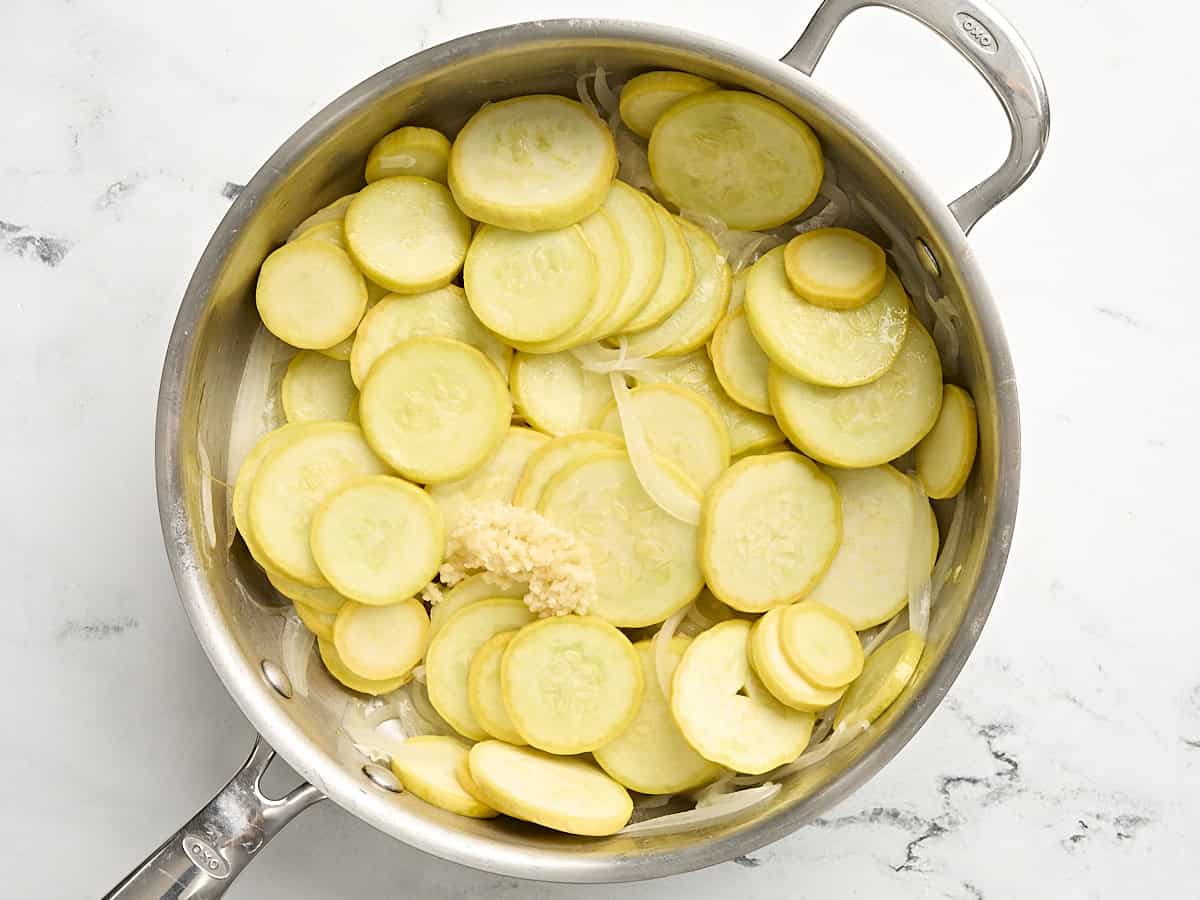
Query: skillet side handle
pixel 203 857
pixel 997 52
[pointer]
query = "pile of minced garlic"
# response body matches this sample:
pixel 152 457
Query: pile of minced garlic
pixel 513 546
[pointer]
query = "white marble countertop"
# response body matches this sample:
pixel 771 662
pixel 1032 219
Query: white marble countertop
pixel 1066 761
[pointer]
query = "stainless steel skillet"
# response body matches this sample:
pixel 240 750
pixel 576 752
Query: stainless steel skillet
pixel 233 611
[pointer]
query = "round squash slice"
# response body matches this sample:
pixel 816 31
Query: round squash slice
pixel 726 713
pixel 532 163
pixel 569 795
pixel 769 528
pixel 571 683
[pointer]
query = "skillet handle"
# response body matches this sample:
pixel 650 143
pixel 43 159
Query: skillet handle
pixel 203 857
pixel 993 47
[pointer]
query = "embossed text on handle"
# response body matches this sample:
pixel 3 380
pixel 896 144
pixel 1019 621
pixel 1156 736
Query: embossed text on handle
pixel 977 32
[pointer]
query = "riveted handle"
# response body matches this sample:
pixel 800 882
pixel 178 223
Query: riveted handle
pixel 202 858
pixel 986 40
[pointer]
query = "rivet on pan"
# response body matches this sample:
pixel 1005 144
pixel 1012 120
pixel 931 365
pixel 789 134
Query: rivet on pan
pixel 382 777
pixel 928 260
pixel 277 679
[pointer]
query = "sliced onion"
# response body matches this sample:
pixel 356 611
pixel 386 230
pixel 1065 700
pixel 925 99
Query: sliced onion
pixel 664 490
pixel 942 572
pixel 653 801
pixel 920 549
pixel 366 723
pixel 598 358
pixel 945 330
pixel 872 639
pixel 206 493
pixel 419 696
pixel 256 409
pixel 605 96
pixel 824 724
pixel 842 735
pixel 829 215
pixel 660 645
pixel 295 652
pixel 407 715
pixel 728 806
pixel 418 674
pixel 710 793
pixel 584 97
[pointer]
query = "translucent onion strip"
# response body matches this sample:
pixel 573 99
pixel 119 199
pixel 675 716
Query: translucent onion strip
pixel 206 494
pixel 255 409
pixel 664 490
pixel 728 806
pixel 888 630
pixel 842 735
pixel 942 572
pixel 661 644
pixel 920 551
pixel 605 360
pixel 295 652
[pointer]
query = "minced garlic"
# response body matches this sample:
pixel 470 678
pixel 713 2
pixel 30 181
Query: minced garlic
pixel 518 546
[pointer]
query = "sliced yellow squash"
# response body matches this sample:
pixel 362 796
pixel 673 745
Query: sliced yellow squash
pixel 677 278
pixel 737 293
pixel 448 660
pixel 427 766
pixel 569 795
pixel 317 388
pixel 530 286
pixel 555 393
pixel 406 234
pixel 612 275
pixel 945 455
pixel 835 267
pixel 571 683
pixel 739 362
pixel 532 163
pixel 646 97
pixel 484 691
pixel 777 673
pixel 769 528
pixel 338 669
pixel 315 620
pixel 820 644
pixel 691 324
pixel 651 755
pixel 748 430
pixel 462 771
pixel 291 484
pixel 870 424
pixel 334 212
pixel 867 580
pixel 410 150
pixel 736 156
pixel 886 672
pixel 321 599
pixel 378 540
pixel 495 479
pixel 680 426
pixel 470 590
pixel 644 559
pixel 551 458
pixel 831 347
pixel 331 232
pixel 310 295
pixel 726 713
pixel 434 408
pixel 439 313
pixel 245 480
pixel 381 642
pixel 639 230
